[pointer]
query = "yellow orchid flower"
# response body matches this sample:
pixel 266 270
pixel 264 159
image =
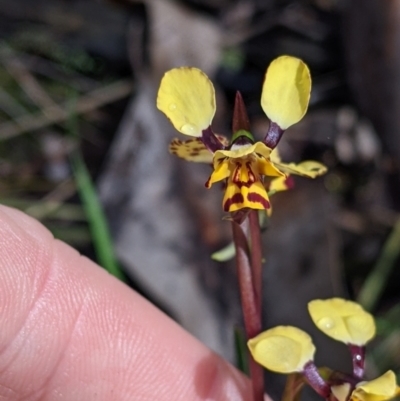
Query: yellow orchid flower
pixel 343 320
pixel 244 167
pixel 282 349
pixel 287 349
pixel 187 97
pixel 383 388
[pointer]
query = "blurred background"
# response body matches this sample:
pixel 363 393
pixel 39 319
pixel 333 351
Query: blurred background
pixel 84 150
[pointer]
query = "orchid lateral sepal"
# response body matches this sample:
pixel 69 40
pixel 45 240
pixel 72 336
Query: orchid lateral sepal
pixel 315 380
pixel 358 359
pixel 273 135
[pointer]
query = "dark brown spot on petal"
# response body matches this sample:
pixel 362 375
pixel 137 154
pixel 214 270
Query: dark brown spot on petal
pixel 257 198
pixel 237 198
pixel 237 179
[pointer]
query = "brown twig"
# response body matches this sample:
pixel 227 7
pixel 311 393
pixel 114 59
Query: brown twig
pixel 29 83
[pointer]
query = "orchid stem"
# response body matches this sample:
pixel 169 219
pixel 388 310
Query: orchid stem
pixel 250 307
pixel 358 357
pixel 256 257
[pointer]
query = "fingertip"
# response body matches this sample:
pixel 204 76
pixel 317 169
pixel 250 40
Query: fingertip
pixel 70 331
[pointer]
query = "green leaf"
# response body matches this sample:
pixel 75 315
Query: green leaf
pixel 96 219
pixel 376 281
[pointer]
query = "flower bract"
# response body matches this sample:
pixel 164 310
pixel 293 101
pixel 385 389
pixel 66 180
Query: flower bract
pixel 282 349
pixel 343 320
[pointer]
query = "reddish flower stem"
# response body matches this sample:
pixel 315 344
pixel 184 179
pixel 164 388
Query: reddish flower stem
pixel 315 380
pixel 274 135
pixel 358 358
pixel 251 311
pixel 256 257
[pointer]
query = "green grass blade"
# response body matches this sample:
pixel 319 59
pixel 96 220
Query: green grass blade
pixel 377 279
pixel 96 219
pixel 241 351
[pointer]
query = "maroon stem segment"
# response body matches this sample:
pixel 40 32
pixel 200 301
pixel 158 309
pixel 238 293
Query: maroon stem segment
pixel 315 380
pixel 273 136
pixel 256 257
pixel 251 312
pixel 358 358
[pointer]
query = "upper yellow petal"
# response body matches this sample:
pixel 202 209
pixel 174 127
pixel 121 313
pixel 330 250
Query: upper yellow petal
pixel 286 91
pixel 283 349
pixel 381 389
pixel 186 96
pixel 343 320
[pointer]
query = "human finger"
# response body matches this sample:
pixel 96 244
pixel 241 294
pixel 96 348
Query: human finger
pixel 70 331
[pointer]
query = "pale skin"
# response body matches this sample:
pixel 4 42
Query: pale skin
pixel 70 331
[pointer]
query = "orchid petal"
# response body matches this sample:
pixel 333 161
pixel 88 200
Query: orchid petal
pixel 283 349
pixel 186 96
pixel 193 150
pixel 286 91
pixel 309 168
pixel 343 320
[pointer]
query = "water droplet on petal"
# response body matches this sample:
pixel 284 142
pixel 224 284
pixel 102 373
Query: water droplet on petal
pixel 326 323
pixel 172 106
pixel 188 129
